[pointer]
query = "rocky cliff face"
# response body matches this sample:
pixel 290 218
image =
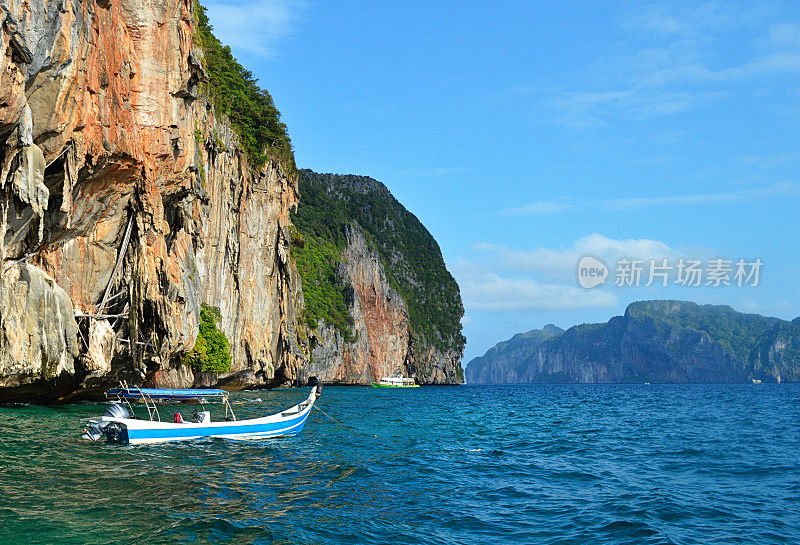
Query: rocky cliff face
pixel 382 344
pixel 508 362
pixel 126 203
pixel 655 341
pixel 405 306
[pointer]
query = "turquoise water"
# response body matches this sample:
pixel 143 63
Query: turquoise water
pixel 473 464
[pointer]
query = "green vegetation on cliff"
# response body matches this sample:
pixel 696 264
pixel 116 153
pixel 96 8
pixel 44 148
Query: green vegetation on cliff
pixel 235 92
pixel 735 332
pixel 411 257
pixel 211 352
pixel 317 260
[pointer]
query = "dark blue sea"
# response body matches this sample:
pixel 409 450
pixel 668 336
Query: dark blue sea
pixel 599 464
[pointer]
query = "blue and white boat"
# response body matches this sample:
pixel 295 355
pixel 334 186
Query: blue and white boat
pixel 119 424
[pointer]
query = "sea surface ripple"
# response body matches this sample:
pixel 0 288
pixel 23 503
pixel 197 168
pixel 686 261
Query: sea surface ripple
pixel 554 464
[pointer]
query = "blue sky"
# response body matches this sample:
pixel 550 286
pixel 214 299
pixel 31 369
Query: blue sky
pixel 527 136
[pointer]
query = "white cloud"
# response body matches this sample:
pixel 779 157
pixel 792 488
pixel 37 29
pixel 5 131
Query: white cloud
pixel 642 100
pixel 780 308
pixel 772 159
pixel 659 21
pixel 690 19
pixel 256 27
pixel 545 279
pixel 439 171
pixel 540 207
pixel 779 189
pixel 787 189
pixel 493 292
pixel 675 68
pixel 786 62
pixel 561 263
pixel 785 35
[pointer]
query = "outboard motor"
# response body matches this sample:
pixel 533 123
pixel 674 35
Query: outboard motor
pixel 94 431
pixel 314 381
pixel 117 411
pixel 116 433
pixel 109 430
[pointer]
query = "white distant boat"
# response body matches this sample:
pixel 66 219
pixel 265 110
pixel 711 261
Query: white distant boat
pixel 396 382
pixel 756 381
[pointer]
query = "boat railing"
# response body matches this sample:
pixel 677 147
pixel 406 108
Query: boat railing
pixel 120 399
pixel 228 408
pixel 152 408
pixel 152 396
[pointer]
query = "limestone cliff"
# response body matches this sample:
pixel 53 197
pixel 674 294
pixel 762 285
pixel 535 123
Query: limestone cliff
pixel 126 202
pixel 508 362
pixel 381 340
pixel 655 341
pixel 403 307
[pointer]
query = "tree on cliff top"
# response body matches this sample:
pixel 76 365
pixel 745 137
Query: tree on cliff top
pixel 235 92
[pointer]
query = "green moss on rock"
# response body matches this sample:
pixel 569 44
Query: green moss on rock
pixel 325 294
pixel 211 352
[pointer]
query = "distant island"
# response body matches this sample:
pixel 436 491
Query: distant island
pixel 654 341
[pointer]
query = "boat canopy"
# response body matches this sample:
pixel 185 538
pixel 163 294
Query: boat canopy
pixel 164 393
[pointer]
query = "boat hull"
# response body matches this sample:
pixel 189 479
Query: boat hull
pixel 377 385
pixel 137 434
